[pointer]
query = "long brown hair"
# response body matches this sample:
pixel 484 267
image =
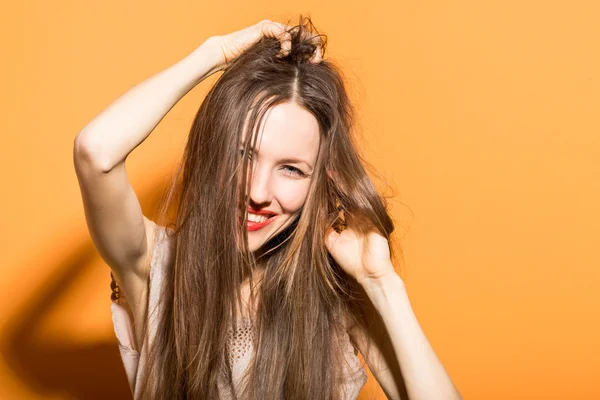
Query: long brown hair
pixel 304 300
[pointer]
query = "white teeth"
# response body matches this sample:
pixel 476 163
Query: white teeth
pixel 257 218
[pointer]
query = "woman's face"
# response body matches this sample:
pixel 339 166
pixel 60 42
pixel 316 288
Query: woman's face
pixel 282 164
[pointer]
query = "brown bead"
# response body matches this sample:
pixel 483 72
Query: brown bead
pixel 116 290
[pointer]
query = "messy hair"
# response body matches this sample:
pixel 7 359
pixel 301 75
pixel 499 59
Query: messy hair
pixel 304 302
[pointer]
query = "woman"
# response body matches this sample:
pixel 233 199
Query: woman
pixel 277 266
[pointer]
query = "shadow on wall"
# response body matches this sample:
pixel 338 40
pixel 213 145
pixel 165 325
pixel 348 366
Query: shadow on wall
pixel 51 366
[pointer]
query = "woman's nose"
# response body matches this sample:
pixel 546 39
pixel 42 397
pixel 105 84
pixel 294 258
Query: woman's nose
pixel 260 191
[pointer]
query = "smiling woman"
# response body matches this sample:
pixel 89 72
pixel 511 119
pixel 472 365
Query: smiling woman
pixel 279 126
pixel 249 291
pixel 287 148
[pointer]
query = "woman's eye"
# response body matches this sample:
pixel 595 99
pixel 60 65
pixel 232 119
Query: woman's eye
pixel 289 170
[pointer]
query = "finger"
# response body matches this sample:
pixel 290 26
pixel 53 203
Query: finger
pixel 317 40
pixel 286 44
pixel 281 26
pixel 274 29
pixel 285 38
pixel 318 55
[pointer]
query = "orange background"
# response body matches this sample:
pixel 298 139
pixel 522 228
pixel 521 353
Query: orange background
pixel 483 116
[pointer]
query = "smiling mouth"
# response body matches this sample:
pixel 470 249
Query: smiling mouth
pixel 259 221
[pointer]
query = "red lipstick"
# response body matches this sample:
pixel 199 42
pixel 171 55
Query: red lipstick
pixel 261 212
pixel 254 226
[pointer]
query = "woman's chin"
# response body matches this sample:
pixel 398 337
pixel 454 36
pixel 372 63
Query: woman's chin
pixel 257 239
pixel 254 243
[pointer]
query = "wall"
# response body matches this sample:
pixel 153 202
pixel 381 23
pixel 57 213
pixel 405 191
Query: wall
pixel 481 115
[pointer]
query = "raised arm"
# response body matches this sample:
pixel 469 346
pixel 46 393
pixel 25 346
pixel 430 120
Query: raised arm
pixel 121 233
pixel 109 138
pixel 119 230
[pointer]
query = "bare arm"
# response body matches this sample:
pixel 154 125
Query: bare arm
pixel 121 233
pixel 127 122
pixel 401 358
pixel 119 230
pixel 112 210
pixel 423 375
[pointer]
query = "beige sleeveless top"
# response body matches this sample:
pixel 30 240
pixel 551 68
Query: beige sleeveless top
pixel 240 342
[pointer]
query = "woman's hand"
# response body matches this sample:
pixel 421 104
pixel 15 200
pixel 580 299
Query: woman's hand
pixel 234 44
pixel 366 259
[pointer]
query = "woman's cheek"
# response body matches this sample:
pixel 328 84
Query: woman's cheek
pixel 292 196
